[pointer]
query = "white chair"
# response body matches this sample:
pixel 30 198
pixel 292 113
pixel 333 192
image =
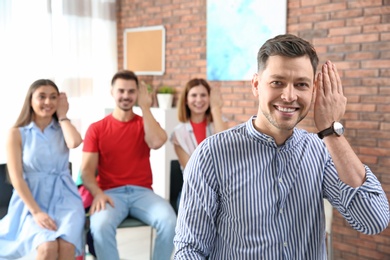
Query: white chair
pixel 328 227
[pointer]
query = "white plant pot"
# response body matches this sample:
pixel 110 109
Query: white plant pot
pixel 164 100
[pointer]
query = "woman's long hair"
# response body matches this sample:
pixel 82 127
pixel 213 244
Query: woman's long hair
pixel 27 112
pixel 184 112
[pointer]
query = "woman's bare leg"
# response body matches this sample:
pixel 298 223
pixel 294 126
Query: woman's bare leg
pixel 47 251
pixel 66 250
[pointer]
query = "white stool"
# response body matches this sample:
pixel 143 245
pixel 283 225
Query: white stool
pixel 328 227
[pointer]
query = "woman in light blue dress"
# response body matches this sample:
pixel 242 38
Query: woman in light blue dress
pixel 45 212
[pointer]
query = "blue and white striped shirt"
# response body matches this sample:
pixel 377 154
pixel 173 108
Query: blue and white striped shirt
pixel 244 197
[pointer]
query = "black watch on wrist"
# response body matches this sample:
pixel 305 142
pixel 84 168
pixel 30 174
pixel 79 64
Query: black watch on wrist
pixel 337 128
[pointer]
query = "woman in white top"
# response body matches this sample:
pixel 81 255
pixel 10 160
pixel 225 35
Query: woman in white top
pixel 199 113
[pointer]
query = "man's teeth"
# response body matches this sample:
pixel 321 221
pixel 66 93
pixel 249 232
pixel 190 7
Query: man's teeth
pixel 286 109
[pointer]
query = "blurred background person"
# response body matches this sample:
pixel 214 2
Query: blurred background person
pixel 199 113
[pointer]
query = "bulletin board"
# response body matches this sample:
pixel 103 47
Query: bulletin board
pixel 144 50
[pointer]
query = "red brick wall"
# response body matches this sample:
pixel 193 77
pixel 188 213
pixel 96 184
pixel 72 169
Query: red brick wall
pixel 353 34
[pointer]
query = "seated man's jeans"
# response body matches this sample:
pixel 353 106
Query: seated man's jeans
pixel 138 202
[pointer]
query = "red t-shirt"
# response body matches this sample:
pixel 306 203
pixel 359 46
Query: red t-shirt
pixel 123 152
pixel 199 130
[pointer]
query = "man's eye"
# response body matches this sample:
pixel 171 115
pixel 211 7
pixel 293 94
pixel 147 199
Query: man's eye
pixel 276 83
pixel 302 85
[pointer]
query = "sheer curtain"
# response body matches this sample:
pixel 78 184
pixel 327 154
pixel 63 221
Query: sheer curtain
pixel 72 42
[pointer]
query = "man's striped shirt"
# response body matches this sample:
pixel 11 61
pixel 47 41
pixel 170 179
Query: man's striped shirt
pixel 246 198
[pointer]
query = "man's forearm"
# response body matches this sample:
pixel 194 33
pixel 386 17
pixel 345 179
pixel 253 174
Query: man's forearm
pixel 91 184
pixel 155 136
pixel 349 167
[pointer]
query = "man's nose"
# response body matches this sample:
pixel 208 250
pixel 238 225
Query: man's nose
pixel 289 94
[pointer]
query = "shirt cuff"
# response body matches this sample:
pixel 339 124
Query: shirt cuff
pixel 370 186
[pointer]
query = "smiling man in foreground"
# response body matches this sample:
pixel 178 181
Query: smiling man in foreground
pixel 256 190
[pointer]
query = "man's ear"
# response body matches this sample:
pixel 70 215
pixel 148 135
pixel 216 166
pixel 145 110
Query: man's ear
pixel 255 84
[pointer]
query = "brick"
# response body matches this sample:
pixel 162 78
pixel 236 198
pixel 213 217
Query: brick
pixel 385 126
pixel 313 17
pixel 373 37
pixel 344 48
pixel 378 46
pixel 376 64
pixel 364 20
pixel 376 28
pixel 384 73
pixel 329 24
pixel 241 118
pixel 233 110
pixel 332 7
pixel 233 96
pixel 377 116
pixel 293 4
pixel 385 54
pixel 314 2
pixel 292 20
pixel 152 9
pixel 365 3
pixel 384 249
pixel 362 55
pixel 385 161
pixel 360 90
pixel 385 18
pixel 362 124
pixel 376 99
pixel 301 11
pixel 372 254
pixel 345 247
pixel 367 159
pixel 343 65
pixel 364 244
pixel 360 141
pixel 346 230
pixel 328 41
pixel 351 115
pixel 353 99
pixel 250 111
pixel 351 83
pixel 348 256
pixel 245 103
pixel 385 9
pixel 295 28
pixel 384 108
pixel 377 134
pixel 361 73
pixel 344 14
pixel 374 151
pixel 345 30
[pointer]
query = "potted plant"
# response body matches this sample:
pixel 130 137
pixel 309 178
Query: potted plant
pixel 165 96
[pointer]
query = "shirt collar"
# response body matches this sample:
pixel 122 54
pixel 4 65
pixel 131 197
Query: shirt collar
pixel 292 141
pixel 53 125
pixel 188 126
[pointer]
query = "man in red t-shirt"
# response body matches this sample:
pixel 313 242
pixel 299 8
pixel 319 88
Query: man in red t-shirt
pixel 118 147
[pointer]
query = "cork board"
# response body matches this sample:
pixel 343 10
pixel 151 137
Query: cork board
pixel 144 50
